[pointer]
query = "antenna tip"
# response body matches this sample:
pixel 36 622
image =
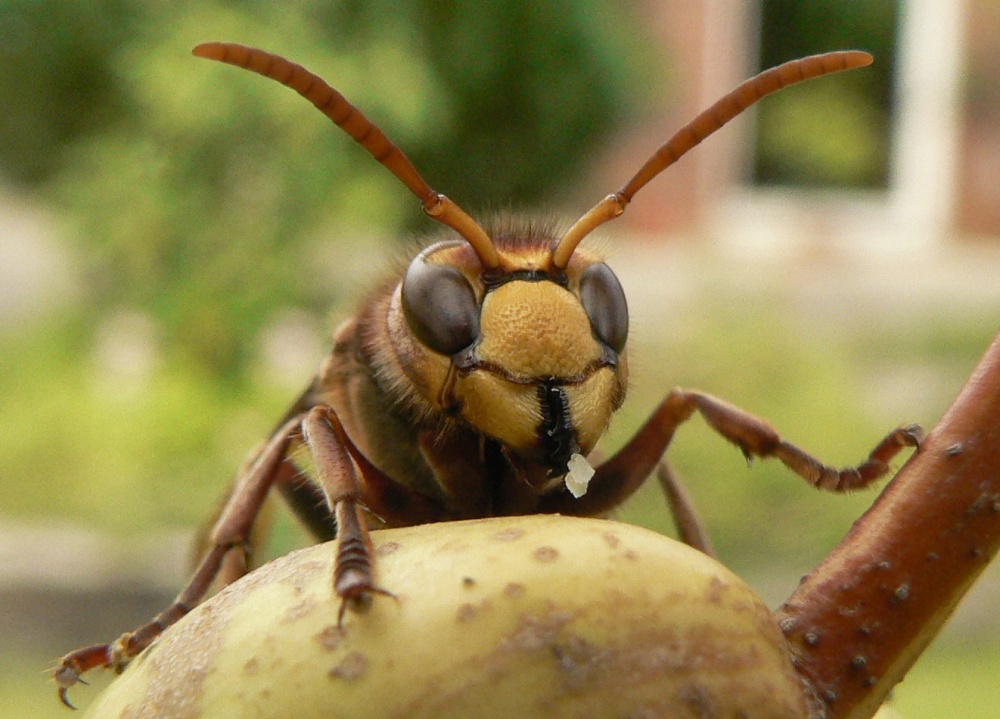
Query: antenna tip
pixel 209 50
pixel 855 58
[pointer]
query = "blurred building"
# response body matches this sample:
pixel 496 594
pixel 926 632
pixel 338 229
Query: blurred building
pixel 943 178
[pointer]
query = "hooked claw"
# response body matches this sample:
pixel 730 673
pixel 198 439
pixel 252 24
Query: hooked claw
pixel 358 597
pixel 70 667
pixel 66 676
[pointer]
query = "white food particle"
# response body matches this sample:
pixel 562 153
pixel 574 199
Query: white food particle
pixel 579 475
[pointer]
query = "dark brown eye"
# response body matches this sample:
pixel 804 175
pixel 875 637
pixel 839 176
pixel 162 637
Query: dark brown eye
pixel 440 306
pixel 604 302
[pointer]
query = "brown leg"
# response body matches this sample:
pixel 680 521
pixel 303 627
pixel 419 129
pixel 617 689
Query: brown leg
pixel 623 474
pixel 236 564
pixel 353 576
pixel 689 528
pixel 231 532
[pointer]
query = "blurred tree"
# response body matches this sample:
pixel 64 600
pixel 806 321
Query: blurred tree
pixel 56 79
pixel 207 197
pixel 529 86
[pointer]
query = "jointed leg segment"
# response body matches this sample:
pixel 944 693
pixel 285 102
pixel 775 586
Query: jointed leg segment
pixel 689 528
pixel 353 578
pixel 756 438
pixel 624 473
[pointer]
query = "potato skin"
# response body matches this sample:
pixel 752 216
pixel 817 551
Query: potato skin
pixel 536 616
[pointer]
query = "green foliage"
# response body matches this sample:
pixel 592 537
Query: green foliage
pixel 955 677
pixel 134 452
pixel 206 199
pixel 57 79
pixel 840 126
pixel 840 140
pixel 530 86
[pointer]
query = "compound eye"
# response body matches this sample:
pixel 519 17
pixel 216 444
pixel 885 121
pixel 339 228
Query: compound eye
pixel 604 302
pixel 440 307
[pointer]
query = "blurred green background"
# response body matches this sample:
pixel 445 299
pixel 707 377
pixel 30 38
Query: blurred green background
pixel 208 227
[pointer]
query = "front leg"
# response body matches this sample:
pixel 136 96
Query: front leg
pixel 231 532
pixel 353 576
pixel 619 477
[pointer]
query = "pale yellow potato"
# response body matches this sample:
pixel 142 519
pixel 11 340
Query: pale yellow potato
pixel 540 616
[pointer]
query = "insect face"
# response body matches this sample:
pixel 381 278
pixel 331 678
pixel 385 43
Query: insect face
pixel 530 355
